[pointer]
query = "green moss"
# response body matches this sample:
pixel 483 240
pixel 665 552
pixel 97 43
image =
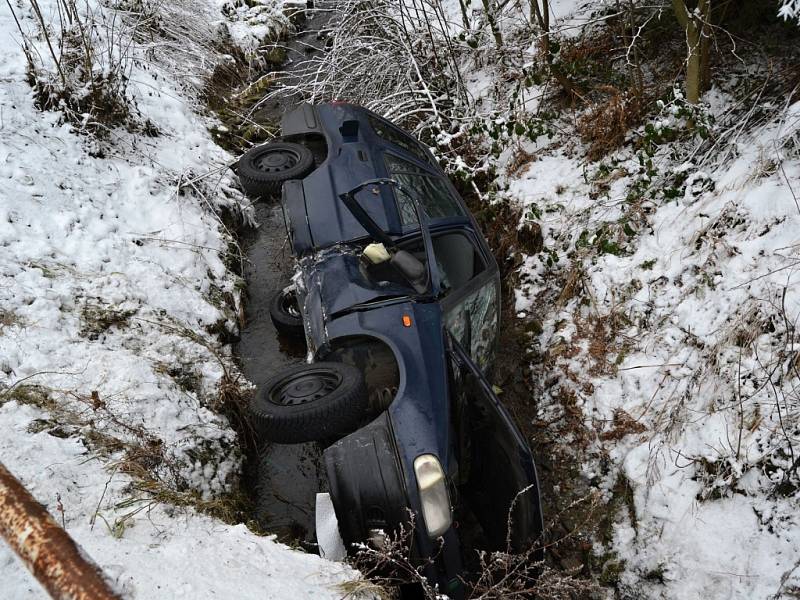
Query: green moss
pixel 648 264
pixel 275 56
pixel 657 574
pixel 184 376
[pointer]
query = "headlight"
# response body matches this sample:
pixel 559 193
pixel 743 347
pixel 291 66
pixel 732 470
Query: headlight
pixel 433 494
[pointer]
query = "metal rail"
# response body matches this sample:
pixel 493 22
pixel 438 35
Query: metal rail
pixel 46 549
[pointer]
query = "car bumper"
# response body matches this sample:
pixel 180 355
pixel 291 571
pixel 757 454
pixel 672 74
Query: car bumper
pixel 371 494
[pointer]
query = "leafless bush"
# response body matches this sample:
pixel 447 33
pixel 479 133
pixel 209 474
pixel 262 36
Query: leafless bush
pixel 399 60
pixel 80 65
pixel 500 574
pixel 505 575
pixel 390 564
pixel 606 123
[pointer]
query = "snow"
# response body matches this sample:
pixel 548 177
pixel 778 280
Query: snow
pixel 790 9
pixel 704 294
pixel 252 23
pixel 159 552
pixel 112 273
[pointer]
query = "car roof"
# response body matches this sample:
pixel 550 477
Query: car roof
pixel 357 153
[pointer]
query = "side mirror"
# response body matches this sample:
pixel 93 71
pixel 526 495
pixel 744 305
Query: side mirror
pixel 412 269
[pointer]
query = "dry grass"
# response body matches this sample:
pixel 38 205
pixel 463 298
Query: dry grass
pixel 606 123
pixel 97 318
pixel 8 319
pixel 605 345
pixel 356 589
pixel 623 425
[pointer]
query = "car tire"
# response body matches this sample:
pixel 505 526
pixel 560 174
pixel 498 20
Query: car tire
pixel 320 402
pixel 285 314
pixel 263 169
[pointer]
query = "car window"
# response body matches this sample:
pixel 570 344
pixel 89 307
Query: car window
pixel 458 260
pixel 398 138
pixel 473 322
pixel 432 192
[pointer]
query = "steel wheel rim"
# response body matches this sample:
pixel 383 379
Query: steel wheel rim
pixel 302 388
pixel 276 160
pixel 289 304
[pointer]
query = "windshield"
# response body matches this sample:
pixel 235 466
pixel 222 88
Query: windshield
pixel 431 191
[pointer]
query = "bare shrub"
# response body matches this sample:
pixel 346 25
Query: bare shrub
pixel 504 575
pixel 606 123
pixel 397 59
pixel 83 68
pixel 500 574
pixel 390 564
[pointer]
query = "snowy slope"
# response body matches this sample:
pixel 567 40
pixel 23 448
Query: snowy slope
pixel 670 361
pixel 671 325
pixel 112 279
pixel 665 308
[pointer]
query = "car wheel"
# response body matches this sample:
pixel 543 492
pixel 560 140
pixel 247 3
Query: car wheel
pixel 285 313
pixel 310 403
pixel 263 169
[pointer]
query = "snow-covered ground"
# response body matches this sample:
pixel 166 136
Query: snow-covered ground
pixel 679 352
pixel 666 304
pixel 670 323
pixel 113 288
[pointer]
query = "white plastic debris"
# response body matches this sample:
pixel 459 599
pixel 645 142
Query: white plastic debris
pixel 376 253
pixel 331 545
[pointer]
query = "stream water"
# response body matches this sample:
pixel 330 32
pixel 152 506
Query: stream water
pixel 285 477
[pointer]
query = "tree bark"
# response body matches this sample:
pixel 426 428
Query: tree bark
pixel 695 23
pixel 543 19
pixel 464 14
pixel 705 47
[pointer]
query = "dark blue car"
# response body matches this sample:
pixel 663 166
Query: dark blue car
pixel 398 297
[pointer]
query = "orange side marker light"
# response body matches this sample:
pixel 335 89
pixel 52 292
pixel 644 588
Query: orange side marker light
pixel 406 321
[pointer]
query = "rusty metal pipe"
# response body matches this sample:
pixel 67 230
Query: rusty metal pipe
pixel 46 549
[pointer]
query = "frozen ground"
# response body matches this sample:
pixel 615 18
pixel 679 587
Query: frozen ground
pixel 677 345
pixel 113 290
pixel 668 304
pixel 665 304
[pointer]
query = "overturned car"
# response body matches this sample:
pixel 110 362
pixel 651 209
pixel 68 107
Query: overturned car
pixel 397 296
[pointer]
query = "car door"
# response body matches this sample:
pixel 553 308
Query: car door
pixel 471 306
pixel 497 475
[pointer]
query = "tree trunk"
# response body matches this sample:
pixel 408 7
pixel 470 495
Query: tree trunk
pixel 464 14
pixel 705 53
pixel 693 70
pixel 543 19
pixel 490 16
pixel 695 23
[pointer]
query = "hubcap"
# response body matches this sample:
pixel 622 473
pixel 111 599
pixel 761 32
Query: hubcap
pixel 275 160
pixel 304 387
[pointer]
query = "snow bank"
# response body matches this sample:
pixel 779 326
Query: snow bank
pixel 113 285
pixel 680 352
pixel 668 297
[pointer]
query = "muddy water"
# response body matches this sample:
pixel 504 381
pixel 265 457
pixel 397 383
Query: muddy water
pixel 284 478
